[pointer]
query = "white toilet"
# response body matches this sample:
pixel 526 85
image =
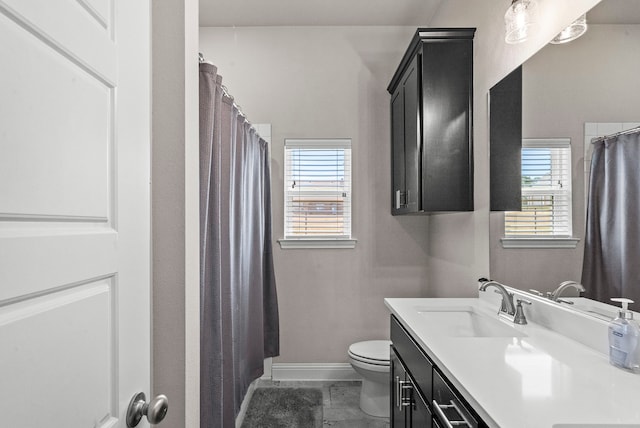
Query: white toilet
pixel 370 360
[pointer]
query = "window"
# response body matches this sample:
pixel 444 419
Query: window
pixel 546 196
pixel 317 193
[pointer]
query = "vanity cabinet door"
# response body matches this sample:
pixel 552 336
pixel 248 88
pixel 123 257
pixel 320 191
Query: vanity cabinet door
pixel 420 414
pixel 408 406
pixel 398 415
pixel 417 363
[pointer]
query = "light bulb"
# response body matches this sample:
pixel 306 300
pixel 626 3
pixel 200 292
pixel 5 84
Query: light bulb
pixel 518 19
pixel 572 32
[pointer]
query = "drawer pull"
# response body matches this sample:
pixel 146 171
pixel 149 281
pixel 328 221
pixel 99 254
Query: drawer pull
pixel 406 386
pixel 450 424
pixel 401 386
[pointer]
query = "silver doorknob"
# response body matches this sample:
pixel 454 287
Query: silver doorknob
pixel 155 410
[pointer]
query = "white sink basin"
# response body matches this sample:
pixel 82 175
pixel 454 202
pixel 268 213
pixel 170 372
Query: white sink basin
pixel 466 322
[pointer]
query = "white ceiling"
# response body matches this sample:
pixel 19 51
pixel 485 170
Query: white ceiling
pixel 228 13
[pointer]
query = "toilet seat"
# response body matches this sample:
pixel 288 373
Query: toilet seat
pixel 374 352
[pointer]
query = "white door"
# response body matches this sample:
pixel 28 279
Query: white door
pixel 74 211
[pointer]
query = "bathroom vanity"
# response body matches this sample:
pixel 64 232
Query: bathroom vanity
pixel 421 396
pixel 454 362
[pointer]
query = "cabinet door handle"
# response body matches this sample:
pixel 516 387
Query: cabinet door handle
pixel 398 199
pixel 406 385
pixel 403 385
pixel 450 424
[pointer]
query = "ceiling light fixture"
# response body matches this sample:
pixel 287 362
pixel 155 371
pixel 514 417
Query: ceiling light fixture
pixel 517 20
pixel 572 32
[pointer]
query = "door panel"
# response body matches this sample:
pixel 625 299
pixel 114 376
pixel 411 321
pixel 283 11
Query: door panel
pixel 74 211
pixel 74 328
pixel 398 374
pixel 412 135
pixel 420 415
pixel 100 10
pixel 398 189
pixel 72 109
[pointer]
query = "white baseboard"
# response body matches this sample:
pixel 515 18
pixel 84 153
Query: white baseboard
pixel 268 363
pixel 313 371
pixel 245 403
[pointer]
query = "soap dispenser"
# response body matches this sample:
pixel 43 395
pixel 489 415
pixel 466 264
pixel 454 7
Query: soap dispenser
pixel 624 337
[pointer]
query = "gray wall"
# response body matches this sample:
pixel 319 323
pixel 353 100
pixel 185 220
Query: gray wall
pixel 330 82
pixel 592 79
pixel 175 228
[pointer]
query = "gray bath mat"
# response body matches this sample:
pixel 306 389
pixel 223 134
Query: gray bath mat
pixel 284 408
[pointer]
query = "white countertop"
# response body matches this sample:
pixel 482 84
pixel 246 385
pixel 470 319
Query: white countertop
pixel 536 381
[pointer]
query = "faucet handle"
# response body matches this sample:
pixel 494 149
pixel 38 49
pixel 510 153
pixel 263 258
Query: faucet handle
pixel 519 317
pixel 540 293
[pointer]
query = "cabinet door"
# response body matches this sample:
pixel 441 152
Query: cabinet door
pixel 412 135
pixel 399 418
pixel 447 164
pixel 420 414
pixel 398 185
pixel 505 142
pixel 405 142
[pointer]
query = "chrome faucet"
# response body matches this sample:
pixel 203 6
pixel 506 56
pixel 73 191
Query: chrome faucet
pixel 555 295
pixel 507 298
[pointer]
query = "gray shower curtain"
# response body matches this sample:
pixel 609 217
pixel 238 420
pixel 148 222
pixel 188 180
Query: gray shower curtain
pixel 238 310
pixel 611 266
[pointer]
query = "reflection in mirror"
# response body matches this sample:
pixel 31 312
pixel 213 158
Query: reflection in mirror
pixel 592 80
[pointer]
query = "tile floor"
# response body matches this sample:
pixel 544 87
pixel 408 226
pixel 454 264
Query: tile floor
pixel 340 403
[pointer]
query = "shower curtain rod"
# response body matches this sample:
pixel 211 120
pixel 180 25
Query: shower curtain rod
pixel 225 91
pixel 606 137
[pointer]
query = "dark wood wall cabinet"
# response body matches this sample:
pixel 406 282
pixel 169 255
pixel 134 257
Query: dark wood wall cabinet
pixel 421 395
pixel 431 123
pixel 505 143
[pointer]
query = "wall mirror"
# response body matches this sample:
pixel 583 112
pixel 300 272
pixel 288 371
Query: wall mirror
pixel 590 80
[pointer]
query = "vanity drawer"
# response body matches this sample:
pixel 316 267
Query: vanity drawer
pixel 414 359
pixel 448 408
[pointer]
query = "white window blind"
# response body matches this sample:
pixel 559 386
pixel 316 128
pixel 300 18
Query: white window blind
pixel 546 191
pixel 317 189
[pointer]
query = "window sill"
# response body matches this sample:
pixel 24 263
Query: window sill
pixel 539 242
pixel 293 244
